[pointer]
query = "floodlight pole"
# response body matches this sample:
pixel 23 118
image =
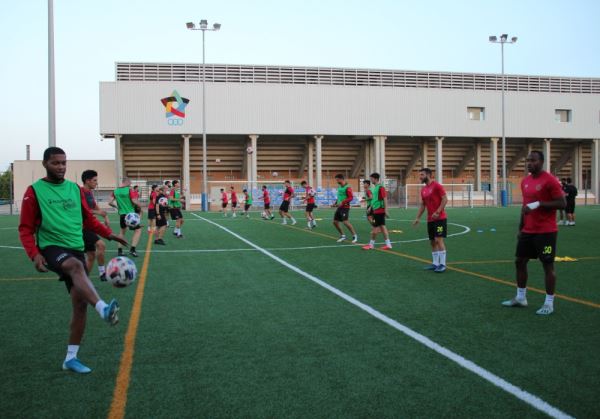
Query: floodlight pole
pixel 51 101
pixel 503 40
pixel 204 27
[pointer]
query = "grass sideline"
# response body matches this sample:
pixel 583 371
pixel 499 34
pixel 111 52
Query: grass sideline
pixel 224 331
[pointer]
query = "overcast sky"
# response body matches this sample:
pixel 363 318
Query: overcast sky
pixel 555 38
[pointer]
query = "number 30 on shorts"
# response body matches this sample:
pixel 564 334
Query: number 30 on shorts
pixel 547 250
pixel 440 229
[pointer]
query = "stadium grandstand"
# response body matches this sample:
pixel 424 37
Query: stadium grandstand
pixel 270 123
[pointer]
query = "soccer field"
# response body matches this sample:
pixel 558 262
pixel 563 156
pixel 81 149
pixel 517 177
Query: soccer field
pixel 251 318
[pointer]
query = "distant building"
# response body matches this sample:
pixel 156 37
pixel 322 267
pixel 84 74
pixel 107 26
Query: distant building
pixel 307 122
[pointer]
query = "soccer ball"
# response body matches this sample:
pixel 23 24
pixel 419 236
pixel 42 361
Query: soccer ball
pixel 275 174
pixel 121 271
pixel 163 202
pixel 263 214
pixel 312 192
pixel 249 150
pixel 132 219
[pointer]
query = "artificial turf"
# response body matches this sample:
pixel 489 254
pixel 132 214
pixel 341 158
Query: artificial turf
pixel 226 331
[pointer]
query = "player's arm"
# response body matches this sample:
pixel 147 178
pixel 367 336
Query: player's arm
pixel 383 196
pixel 135 201
pixel 349 197
pixel 558 201
pixel 28 224
pixel 419 213
pixel 439 210
pixel 113 201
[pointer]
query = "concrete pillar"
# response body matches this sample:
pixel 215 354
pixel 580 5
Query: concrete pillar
pixel 547 156
pixel 118 158
pixel 368 157
pixel 311 163
pixel 253 168
pixel 424 151
pixel 478 166
pixel 595 181
pixel 379 141
pixel 529 150
pixel 439 176
pixel 318 143
pixel 577 166
pixel 186 181
pixel 494 169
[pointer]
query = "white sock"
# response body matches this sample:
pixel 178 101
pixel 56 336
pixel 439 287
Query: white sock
pixel 442 256
pixel 100 305
pixel 549 300
pixel 101 269
pixel 521 292
pixel 293 220
pixel 71 352
pixel 371 242
pixel 388 243
pixel 435 258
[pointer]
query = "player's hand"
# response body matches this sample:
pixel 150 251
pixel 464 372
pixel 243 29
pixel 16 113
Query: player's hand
pixel 416 222
pixel 40 263
pixel 387 214
pixel 435 215
pixel 118 239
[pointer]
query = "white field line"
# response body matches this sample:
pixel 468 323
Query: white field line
pixel 530 399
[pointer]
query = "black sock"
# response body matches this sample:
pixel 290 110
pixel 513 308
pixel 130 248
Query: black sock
pixel 132 249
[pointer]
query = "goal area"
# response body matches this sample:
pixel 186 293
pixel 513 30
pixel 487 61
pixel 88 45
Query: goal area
pixel 459 195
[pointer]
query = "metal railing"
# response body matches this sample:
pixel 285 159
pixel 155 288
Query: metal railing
pixel 225 73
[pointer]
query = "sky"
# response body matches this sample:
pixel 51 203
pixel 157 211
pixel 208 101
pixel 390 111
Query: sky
pixel 556 38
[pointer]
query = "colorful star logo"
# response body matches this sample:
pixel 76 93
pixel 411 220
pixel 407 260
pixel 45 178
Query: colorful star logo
pixel 175 105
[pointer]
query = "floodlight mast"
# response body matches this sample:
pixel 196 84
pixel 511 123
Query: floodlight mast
pixel 503 40
pixel 204 27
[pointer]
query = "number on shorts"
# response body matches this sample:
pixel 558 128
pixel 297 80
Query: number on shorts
pixel 547 250
pixel 440 229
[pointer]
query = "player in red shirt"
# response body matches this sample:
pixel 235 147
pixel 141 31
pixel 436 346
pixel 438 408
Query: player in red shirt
pixel 94 246
pixel 309 198
pixel 50 230
pixel 368 197
pixel 234 202
pixel 288 194
pixel 152 210
pixel 224 201
pixel 343 201
pixel 542 196
pixel 380 213
pixel 433 197
pixel 266 198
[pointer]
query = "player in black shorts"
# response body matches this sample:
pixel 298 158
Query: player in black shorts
pixel 162 206
pixel 288 195
pixel 51 233
pixel 571 192
pixel 94 246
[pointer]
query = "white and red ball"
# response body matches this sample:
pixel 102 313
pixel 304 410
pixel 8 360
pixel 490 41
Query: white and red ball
pixel 132 219
pixel 163 201
pixel 121 271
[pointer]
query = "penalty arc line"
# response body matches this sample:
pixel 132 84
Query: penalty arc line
pixel 119 400
pixel 532 400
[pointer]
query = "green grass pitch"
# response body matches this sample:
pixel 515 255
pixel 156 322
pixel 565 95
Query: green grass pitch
pixel 226 331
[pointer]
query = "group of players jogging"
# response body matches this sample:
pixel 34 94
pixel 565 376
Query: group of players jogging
pixel 58 225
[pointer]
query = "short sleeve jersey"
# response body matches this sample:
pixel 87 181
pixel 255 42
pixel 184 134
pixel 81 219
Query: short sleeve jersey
pixel 544 187
pixel 234 196
pixel 152 200
pixel 432 195
pixel 89 198
pixel 287 194
pixel 224 197
pixel 310 196
pixel 266 197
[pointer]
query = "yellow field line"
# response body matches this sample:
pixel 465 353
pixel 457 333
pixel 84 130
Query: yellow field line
pixel 471 273
pixel 481 262
pixel 119 401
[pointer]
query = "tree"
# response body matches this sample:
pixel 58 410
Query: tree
pixel 5 184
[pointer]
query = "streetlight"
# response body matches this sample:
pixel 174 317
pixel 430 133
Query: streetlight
pixel 503 40
pixel 203 27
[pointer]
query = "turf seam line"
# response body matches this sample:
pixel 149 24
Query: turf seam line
pixel 531 399
pixel 119 400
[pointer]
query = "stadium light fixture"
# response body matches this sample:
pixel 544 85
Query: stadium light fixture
pixel 503 40
pixel 204 27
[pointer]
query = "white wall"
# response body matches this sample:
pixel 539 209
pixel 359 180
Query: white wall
pixel 237 108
